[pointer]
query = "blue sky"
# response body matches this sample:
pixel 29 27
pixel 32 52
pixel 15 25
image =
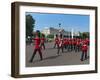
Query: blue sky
pixel 68 21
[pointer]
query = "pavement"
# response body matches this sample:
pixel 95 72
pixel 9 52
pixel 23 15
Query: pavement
pixel 51 58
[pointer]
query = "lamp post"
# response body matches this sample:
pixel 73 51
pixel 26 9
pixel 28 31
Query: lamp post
pixel 60 30
pixel 59 25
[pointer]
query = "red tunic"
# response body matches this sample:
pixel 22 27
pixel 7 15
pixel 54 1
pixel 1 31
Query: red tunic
pixel 61 42
pixel 56 40
pixel 84 42
pixel 37 43
pixel 87 41
pixel 69 42
pixel 84 47
pixel 73 42
pixel 77 43
pixel 65 40
pixel 42 40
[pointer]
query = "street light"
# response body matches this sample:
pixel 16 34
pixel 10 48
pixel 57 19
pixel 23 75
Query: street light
pixel 59 24
pixel 60 30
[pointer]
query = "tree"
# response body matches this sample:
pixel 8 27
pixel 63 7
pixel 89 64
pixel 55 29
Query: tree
pixel 84 35
pixel 41 35
pixel 50 36
pixel 81 35
pixel 30 23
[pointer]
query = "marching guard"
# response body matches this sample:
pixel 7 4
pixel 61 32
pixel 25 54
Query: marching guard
pixel 60 44
pixel 84 51
pixel 69 44
pixel 37 46
pixel 77 49
pixel 56 41
pixel 43 41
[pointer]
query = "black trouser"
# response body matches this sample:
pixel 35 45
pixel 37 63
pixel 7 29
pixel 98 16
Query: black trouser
pixel 55 45
pixel 82 55
pixel 34 53
pixel 59 49
pixel 43 45
pixel 77 48
pixel 69 47
pixel 74 46
pixel 66 46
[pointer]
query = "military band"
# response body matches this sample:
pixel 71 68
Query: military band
pixel 61 43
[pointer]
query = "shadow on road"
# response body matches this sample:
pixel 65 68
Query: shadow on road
pixel 51 57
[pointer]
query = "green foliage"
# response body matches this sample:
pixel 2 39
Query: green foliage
pixel 50 36
pixel 30 23
pixel 40 35
pixel 84 35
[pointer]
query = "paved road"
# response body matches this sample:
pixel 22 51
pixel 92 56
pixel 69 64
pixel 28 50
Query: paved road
pixel 50 57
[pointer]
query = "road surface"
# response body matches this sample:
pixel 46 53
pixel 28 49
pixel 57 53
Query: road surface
pixel 51 58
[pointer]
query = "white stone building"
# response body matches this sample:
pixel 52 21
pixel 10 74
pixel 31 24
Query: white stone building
pixel 55 31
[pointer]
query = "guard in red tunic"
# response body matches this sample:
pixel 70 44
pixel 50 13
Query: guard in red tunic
pixel 69 45
pixel 77 46
pixel 60 44
pixel 84 51
pixel 56 41
pixel 87 41
pixel 65 41
pixel 74 43
pixel 43 41
pixel 37 46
